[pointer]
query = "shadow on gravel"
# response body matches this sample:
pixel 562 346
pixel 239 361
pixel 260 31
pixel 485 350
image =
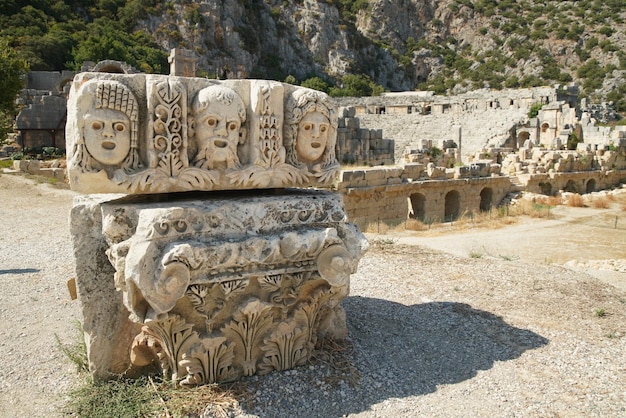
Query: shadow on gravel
pixel 19 271
pixel 402 351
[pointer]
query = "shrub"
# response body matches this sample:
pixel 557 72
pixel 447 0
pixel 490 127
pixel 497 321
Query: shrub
pixel 576 201
pixel 601 203
pixel 534 110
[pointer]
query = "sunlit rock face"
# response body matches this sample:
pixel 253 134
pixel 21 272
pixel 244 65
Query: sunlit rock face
pixel 206 286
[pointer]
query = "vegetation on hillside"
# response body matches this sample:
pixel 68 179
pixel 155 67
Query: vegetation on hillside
pixel 12 70
pixel 57 34
pixel 472 43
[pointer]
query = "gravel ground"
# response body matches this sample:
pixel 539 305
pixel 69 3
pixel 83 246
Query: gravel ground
pixel 431 333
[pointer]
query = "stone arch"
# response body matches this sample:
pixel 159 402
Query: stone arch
pixel 591 186
pixel 522 137
pixel 546 188
pixel 486 199
pixel 115 67
pixel 545 126
pixel 417 206
pixel 571 187
pixel 453 205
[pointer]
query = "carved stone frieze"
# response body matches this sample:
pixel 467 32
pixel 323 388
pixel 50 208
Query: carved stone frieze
pixel 146 134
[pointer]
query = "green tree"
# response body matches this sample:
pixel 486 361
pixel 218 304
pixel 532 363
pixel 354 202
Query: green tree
pixel 534 110
pixel 356 86
pixel 106 40
pixel 316 83
pixel 12 71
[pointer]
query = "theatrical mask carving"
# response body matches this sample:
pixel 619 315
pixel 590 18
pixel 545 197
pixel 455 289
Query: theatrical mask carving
pixel 218 114
pixel 311 134
pixel 208 287
pixel 108 129
pixel 186 134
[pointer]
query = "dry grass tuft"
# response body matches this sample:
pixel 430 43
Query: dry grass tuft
pixel 197 401
pixel 337 355
pixel 601 203
pixel 576 201
pixel 415 225
pixel 535 209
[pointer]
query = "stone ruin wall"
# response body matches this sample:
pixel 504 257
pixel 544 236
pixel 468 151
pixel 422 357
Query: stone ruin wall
pixel 383 194
pixel 393 194
pixel 485 117
pixel 361 146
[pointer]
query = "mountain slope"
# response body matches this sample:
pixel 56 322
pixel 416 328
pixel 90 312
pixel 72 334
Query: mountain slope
pixel 442 45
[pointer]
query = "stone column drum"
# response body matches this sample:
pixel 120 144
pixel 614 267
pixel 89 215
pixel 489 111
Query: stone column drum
pixel 202 249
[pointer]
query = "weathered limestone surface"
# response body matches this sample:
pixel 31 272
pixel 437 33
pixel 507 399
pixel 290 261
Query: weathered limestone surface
pixel 212 288
pixel 138 134
pixel 206 287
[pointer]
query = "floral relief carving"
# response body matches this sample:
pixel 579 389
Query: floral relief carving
pixel 173 337
pixel 285 348
pixel 209 299
pixel 247 330
pixel 283 289
pixel 208 361
pixel 268 166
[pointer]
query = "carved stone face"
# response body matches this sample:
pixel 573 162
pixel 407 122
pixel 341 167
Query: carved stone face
pixel 107 135
pixel 312 137
pixel 217 132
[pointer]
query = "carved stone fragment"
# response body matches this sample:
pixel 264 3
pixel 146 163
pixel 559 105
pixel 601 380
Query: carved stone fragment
pixel 222 287
pixel 206 287
pixel 145 134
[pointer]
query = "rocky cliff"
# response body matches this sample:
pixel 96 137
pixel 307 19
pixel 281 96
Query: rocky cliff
pixel 442 45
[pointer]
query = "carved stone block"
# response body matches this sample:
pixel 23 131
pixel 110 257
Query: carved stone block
pixel 209 287
pixel 143 134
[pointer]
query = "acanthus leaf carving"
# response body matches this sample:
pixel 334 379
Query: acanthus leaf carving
pixel 208 361
pixel 285 348
pixel 247 329
pixel 309 314
pixel 175 337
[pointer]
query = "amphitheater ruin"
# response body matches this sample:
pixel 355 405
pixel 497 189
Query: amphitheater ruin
pixel 416 154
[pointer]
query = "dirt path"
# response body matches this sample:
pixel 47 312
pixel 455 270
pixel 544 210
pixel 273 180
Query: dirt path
pixel 35 262
pixel 583 239
pixel 499 328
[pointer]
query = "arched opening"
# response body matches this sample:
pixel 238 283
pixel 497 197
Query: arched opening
pixel 486 197
pixel 426 110
pixel 571 187
pixel 453 206
pixel 522 137
pixel 111 68
pixel 417 209
pixel 115 67
pixel 591 186
pixel 545 126
pixel 546 188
